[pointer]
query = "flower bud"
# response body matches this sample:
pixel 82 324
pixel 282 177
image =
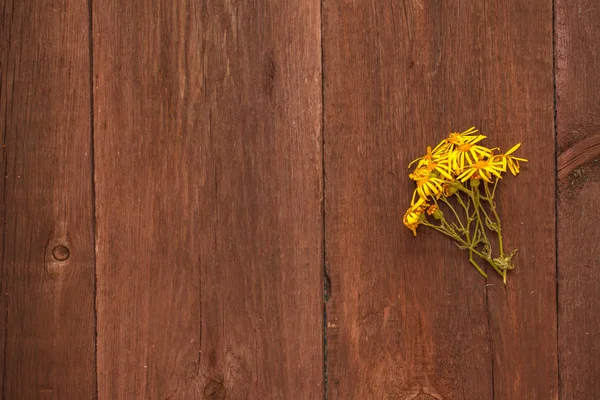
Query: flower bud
pixel 450 189
pixel 438 214
pixel 435 211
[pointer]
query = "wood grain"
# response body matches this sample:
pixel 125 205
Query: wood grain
pixel 520 109
pixel 47 276
pixel 578 125
pixel 408 317
pixel 208 172
pixel 577 156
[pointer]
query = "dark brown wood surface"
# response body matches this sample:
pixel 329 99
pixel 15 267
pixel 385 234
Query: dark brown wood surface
pixel 177 175
pixel 208 172
pixel 408 317
pixel 578 135
pixel 47 278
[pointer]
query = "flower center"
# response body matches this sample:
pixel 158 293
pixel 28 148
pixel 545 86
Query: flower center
pixel 465 147
pixel 431 166
pixel 481 164
pixel 454 138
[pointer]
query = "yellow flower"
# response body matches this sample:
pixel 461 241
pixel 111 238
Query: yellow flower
pixel 427 158
pixel 419 173
pixel 441 167
pixel 468 154
pixel 427 185
pixel 483 169
pixel 412 217
pixel 512 162
pixel 434 169
pixel 456 139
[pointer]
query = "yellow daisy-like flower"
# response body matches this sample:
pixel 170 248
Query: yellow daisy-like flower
pixel 442 167
pixel 483 169
pixel 433 168
pixel 468 154
pixel 428 158
pixel 428 185
pixel 412 217
pixel 512 162
pixel 456 139
pixel 419 173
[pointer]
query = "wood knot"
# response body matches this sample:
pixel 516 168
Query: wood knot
pixel 61 253
pixel 424 396
pixel 214 390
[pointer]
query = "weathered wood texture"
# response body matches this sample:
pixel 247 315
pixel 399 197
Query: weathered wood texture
pixel 578 136
pixel 47 291
pixel 520 105
pixel 208 172
pixel 408 317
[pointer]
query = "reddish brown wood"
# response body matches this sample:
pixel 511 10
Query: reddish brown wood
pixel 47 276
pixel 578 125
pixel 407 316
pixel 520 96
pixel 208 171
pixel 578 155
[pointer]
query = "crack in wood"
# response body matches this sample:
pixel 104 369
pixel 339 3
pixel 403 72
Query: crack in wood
pixel 578 155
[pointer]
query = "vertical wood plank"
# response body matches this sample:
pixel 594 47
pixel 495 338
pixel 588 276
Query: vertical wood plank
pixel 520 109
pixel 208 171
pixel 406 317
pixel 578 129
pixel 47 277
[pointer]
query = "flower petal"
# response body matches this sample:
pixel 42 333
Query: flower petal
pixel 513 149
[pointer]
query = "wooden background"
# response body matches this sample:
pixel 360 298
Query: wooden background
pixel 203 199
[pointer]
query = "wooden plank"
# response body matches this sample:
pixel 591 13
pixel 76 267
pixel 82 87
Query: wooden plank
pixel 520 107
pixel 406 317
pixel 578 131
pixel 47 333
pixel 208 171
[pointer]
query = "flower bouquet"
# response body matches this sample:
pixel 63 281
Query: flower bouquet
pixel 456 184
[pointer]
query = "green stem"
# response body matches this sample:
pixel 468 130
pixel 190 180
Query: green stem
pixel 494 189
pixel 490 262
pixel 453 211
pixel 476 265
pixel 447 230
pixel 466 207
pixel 471 236
pixel 475 196
pixel 480 225
pixel 492 204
